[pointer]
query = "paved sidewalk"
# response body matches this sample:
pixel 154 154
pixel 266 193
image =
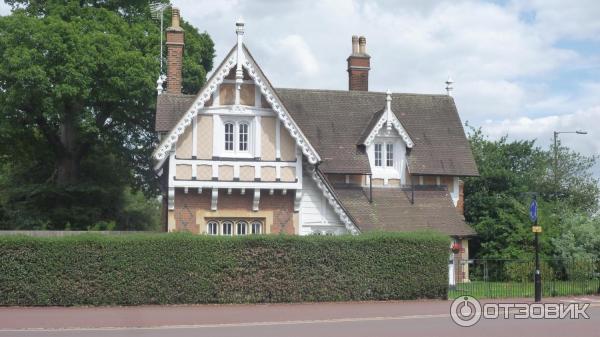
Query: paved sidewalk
pixel 315 319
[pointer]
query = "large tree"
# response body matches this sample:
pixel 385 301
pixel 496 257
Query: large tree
pixel 77 102
pixel 511 173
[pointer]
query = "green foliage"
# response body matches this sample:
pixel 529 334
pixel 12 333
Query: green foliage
pixel 77 104
pixel 497 202
pixel 185 268
pixel 579 237
pixel 522 271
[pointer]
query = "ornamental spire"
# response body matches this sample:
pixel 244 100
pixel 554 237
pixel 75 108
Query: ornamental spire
pixel 239 73
pixel 388 109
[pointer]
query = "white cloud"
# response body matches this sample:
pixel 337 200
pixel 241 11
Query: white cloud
pixel 507 60
pixel 542 129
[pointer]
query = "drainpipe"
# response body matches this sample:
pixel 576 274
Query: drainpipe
pixel 371 187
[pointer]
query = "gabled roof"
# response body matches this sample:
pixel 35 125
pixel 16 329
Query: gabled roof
pixel 335 120
pixel 387 118
pixel 241 59
pixel 432 210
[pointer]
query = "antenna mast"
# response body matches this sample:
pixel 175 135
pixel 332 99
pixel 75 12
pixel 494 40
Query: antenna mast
pixel 158 9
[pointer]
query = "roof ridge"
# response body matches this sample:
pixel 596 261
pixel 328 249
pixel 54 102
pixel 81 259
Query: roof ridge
pixel 357 92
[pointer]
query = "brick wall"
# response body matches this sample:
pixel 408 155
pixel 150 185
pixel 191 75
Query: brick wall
pixel 358 73
pixel 280 208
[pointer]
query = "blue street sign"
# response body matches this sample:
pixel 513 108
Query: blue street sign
pixel 533 210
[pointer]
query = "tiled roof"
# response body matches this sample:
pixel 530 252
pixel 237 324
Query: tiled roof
pixel 169 108
pixel 336 121
pixel 392 210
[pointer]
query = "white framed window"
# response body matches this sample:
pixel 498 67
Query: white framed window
pixel 237 137
pixel 389 154
pixel 378 151
pixel 243 137
pixel 212 228
pixel 229 126
pixel 242 228
pixel 227 227
pixel 256 227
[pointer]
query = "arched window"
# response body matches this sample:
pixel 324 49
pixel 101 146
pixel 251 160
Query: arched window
pixel 256 227
pixel 227 227
pixel 243 137
pixel 228 136
pixel 212 228
pixel 242 228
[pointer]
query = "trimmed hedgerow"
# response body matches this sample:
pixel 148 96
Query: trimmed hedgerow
pixel 185 268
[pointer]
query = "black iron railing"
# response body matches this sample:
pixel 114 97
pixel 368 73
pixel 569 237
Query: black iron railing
pixel 514 278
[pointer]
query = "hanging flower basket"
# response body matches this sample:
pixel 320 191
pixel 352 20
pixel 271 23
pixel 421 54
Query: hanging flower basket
pixel 456 248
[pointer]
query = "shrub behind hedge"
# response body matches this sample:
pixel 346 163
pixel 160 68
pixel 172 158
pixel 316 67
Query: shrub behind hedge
pixel 185 268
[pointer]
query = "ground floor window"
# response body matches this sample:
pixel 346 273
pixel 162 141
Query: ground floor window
pixel 213 228
pixel 226 225
pixel 256 227
pixel 234 226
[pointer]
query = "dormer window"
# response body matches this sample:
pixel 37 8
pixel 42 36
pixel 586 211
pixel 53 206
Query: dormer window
pixel 378 154
pixel 389 155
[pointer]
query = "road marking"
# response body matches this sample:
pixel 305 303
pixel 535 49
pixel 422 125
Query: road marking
pixel 246 324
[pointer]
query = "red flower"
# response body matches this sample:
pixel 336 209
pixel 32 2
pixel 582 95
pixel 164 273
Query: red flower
pixel 456 247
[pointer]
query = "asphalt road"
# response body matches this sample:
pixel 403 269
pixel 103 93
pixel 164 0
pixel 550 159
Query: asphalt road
pixel 411 318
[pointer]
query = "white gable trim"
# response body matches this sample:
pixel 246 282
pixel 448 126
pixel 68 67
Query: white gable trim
pixel 162 151
pixel 337 207
pixel 284 116
pixel 389 119
pixel 170 140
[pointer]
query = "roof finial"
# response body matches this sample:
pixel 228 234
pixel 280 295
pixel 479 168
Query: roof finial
pixel 159 83
pixel 239 73
pixel 388 109
pixel 239 26
pixel 449 86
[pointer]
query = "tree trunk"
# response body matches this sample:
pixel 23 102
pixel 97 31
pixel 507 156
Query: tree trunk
pixel 68 162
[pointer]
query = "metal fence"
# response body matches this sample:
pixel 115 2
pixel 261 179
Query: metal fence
pixel 514 278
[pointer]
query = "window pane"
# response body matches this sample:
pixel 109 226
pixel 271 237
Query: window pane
pixel 227 226
pixel 243 135
pixel 228 136
pixel 213 228
pixel 242 228
pixel 377 154
pixel 256 227
pixel 389 155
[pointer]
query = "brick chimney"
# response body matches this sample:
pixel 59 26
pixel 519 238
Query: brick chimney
pixel 174 54
pixel 359 64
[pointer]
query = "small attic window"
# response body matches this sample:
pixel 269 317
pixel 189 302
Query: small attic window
pixel 378 154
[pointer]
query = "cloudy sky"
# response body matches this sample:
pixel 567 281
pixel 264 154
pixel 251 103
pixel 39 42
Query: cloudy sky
pixel 522 68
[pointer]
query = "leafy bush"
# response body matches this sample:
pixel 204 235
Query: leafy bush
pixel 184 268
pixel 522 271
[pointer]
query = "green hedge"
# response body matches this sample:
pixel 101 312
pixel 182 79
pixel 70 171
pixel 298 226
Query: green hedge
pixel 184 268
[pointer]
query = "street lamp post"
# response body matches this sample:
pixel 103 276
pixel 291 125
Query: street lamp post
pixel 556 133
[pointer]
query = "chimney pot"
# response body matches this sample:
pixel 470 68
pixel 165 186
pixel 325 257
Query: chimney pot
pixel 354 44
pixel 362 45
pixel 175 17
